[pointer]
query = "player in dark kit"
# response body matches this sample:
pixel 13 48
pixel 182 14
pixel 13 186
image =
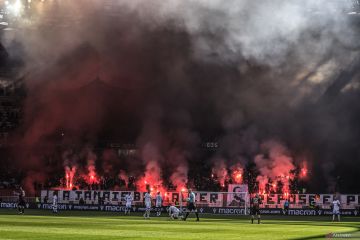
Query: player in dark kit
pixel 21 201
pixel 255 208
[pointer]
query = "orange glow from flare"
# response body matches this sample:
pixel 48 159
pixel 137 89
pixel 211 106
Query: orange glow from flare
pixel 237 175
pixel 304 172
pixel 262 193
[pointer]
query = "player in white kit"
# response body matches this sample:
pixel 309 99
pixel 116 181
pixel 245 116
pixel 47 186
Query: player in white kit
pixel 55 203
pixel 158 205
pixel 174 212
pixel 336 209
pixel 147 200
pixel 128 200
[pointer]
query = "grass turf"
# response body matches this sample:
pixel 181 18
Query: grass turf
pixel 41 224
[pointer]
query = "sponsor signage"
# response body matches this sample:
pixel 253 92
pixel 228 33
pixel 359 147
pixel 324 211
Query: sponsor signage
pixel 202 210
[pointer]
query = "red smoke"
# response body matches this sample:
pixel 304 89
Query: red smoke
pixel 220 171
pixel 65 94
pixel 237 174
pixel 69 176
pixel 92 177
pixel 274 165
pixel 179 176
pixel 304 170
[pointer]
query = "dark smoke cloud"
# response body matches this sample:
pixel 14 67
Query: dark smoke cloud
pixel 174 72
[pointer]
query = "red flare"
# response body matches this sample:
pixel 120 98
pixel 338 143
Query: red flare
pixel 304 172
pixel 237 174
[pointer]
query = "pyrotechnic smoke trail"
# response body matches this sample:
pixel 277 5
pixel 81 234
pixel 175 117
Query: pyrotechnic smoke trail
pixel 220 171
pixel 237 173
pixel 221 67
pixel 69 176
pixel 179 177
pixel 152 176
pixel 274 164
pixel 91 159
pixel 69 163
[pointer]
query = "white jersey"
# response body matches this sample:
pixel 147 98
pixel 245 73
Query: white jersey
pixel 128 199
pixel 174 212
pixel 158 200
pixel 336 206
pixel 55 200
pixel 173 209
pixel 147 198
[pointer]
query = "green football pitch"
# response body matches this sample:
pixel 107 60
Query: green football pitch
pixel 41 224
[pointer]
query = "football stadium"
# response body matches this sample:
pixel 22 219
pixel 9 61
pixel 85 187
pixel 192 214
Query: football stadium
pixel 179 119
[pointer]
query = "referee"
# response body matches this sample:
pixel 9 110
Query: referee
pixel 191 206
